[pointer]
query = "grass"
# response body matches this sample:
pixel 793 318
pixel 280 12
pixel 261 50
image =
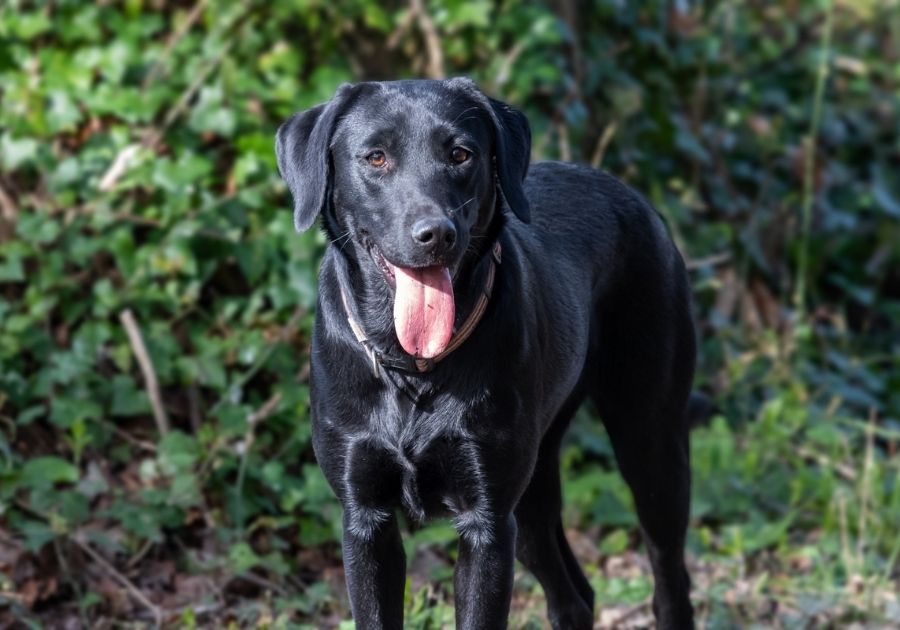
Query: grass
pixel 785 533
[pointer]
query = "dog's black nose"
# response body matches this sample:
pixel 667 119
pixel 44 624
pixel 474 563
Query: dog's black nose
pixel 436 234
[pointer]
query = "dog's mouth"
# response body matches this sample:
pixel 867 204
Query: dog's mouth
pixel 424 307
pixel 387 269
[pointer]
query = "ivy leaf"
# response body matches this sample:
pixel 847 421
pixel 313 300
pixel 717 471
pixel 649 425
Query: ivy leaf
pixel 44 472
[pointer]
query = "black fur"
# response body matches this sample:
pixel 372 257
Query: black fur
pixel 591 300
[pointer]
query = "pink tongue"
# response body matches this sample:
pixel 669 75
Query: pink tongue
pixel 423 310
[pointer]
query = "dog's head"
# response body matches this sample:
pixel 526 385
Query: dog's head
pixel 408 171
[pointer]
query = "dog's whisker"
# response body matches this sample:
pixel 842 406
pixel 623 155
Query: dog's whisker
pixel 346 237
pixel 462 205
pixel 465 111
pixel 341 237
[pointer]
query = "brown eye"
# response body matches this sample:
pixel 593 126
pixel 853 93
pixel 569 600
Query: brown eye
pixel 376 159
pixel 460 155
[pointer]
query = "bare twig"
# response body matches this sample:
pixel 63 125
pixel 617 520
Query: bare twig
pixel 124 160
pixel 539 147
pixel 432 40
pixel 126 157
pixel 284 335
pixel 842 469
pixel 565 151
pixel 303 374
pixel 140 352
pixel 849 561
pixel 199 610
pixel 865 491
pixel 631 612
pixel 713 260
pixel 260 581
pixel 249 438
pixel 189 93
pixel 8 207
pixel 402 29
pixel 263 412
pixel 809 163
pixel 70 579
pixel 505 70
pixel 141 554
pixel 173 40
pixel 139 220
pixel 150 447
pixel 194 407
pixel 603 143
pixel 121 579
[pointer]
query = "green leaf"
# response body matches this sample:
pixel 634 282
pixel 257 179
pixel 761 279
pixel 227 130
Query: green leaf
pixel 615 543
pixel 43 472
pixel 177 452
pixel 128 400
pixel 63 114
pixel 242 557
pixel 17 152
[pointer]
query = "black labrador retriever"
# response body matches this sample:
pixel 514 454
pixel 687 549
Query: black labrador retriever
pixel 465 312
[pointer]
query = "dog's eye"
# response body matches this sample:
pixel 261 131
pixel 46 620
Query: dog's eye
pixel 376 159
pixel 459 155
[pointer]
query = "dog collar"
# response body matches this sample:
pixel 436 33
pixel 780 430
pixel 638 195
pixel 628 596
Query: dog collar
pixel 409 363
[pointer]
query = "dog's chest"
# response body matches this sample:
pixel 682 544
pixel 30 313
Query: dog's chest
pixel 426 463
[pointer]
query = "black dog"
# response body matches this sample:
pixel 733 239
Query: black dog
pixel 465 312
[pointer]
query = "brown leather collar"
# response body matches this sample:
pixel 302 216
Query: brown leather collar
pixel 410 363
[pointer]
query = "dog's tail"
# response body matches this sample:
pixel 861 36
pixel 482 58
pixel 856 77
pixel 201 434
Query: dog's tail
pixel 700 409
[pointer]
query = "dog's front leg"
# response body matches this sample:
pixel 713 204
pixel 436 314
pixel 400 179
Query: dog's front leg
pixel 483 578
pixel 375 568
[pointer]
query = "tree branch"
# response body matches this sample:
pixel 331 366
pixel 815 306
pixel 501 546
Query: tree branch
pixel 143 358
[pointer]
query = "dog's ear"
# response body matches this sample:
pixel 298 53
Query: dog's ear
pixel 303 147
pixel 513 147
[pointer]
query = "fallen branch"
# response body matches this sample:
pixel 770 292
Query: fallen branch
pixel 140 352
pixel 121 579
pixel 124 160
pixel 629 613
pixel 258 580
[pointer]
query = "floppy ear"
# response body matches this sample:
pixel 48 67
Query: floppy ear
pixel 303 146
pixel 513 147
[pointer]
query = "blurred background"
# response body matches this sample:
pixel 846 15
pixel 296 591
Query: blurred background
pixel 155 302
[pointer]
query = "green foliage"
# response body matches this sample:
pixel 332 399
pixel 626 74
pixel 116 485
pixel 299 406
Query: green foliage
pixel 137 173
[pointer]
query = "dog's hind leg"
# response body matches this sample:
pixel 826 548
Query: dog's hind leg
pixel 656 469
pixel 541 544
pixel 646 366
